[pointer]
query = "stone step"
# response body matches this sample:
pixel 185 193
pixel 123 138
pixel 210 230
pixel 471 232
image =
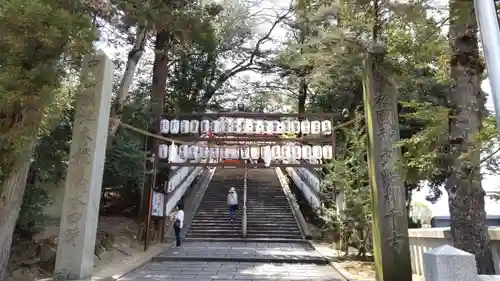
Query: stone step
pixel 290 235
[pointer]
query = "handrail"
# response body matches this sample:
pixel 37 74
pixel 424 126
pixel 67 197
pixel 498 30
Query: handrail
pixel 244 219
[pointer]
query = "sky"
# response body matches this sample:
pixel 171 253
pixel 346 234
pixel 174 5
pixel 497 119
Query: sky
pixel 440 208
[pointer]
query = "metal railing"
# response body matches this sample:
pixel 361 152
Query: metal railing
pixel 244 219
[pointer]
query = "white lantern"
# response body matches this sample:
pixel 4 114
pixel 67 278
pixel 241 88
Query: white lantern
pixel 277 127
pixel 225 125
pixel 174 126
pixel 234 126
pixel 184 126
pixel 268 127
pixel 306 152
pixel 194 126
pixel 315 127
pixel 249 126
pixel 204 126
pixel 286 126
pixel 276 152
pixel 297 152
pixel 255 153
pixel 305 127
pixel 317 152
pixel 265 149
pixel 173 152
pixel 223 153
pixel 195 151
pixel 204 152
pixel 184 152
pixel 295 127
pixel 240 127
pixel 215 126
pixel 327 152
pixel 254 126
pixel 326 127
pixel 260 127
pixel 245 152
pixel 286 152
pixel 233 153
pixel 164 126
pixel 214 152
pixel 163 151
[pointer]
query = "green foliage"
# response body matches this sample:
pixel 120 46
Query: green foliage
pixel 31 216
pixel 349 174
pixel 124 166
pixel 40 40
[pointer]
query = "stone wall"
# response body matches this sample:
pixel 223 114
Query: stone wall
pixel 425 239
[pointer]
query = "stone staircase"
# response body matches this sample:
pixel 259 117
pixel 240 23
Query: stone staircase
pixel 212 217
pixel 268 210
pixel 269 215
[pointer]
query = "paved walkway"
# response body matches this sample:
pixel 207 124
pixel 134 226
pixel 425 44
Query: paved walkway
pixel 257 261
pixel 243 252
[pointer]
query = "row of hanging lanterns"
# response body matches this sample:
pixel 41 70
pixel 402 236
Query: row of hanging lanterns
pixel 245 126
pixel 276 152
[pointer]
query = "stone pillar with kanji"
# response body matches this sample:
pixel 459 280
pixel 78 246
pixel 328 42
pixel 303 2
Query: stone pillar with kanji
pixel 390 224
pixel 82 193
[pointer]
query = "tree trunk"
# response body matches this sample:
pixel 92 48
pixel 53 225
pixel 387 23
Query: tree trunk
pixel 158 93
pixel 133 59
pixel 10 204
pixel 466 195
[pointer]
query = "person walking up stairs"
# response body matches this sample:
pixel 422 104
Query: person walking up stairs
pixel 232 202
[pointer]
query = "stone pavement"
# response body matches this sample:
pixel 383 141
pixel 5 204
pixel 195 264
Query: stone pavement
pixel 225 271
pixel 243 252
pixel 222 261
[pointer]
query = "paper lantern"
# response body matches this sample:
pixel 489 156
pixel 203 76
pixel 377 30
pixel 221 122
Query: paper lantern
pixel 215 126
pixel 163 151
pixel 173 151
pixel 223 153
pixel 240 125
pixel 194 126
pixel 305 127
pixel 286 151
pixel 326 127
pixel 245 152
pixel 204 152
pixel 254 153
pixel 204 126
pixel 268 127
pixel 327 152
pixel 306 152
pixel 276 127
pixel 263 150
pixel 174 126
pixel 286 126
pixel 225 125
pixel 295 127
pixel 184 126
pixel 315 127
pixel 317 152
pixel 297 152
pixel 214 152
pixel 184 152
pixel 249 126
pixel 276 152
pixel 195 151
pixel 164 126
pixel 233 153
pixel 260 127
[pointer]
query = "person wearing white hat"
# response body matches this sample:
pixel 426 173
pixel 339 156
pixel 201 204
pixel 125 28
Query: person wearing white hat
pixel 232 202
